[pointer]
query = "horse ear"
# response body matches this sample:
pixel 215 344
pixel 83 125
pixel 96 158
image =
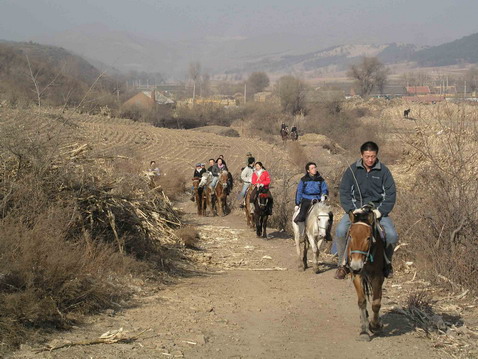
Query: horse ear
pixel 352 217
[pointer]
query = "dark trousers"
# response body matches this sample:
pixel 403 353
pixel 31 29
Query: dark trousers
pixel 304 208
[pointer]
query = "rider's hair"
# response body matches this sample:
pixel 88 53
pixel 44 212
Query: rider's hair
pixel 152 162
pixel 251 160
pixel 369 146
pixel 260 164
pixel 309 164
pixel 219 158
pixel 212 159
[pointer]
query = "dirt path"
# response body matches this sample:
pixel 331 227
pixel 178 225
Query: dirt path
pixel 245 300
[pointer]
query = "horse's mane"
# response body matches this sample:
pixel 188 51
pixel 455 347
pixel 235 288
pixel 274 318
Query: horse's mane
pixel 320 207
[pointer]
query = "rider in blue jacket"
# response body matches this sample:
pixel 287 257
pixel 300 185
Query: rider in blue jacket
pixel 311 187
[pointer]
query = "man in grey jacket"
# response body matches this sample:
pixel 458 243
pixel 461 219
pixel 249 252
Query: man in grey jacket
pixel 367 181
pixel 246 177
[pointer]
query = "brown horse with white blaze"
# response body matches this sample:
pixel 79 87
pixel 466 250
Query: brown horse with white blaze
pixel 221 192
pixel 366 260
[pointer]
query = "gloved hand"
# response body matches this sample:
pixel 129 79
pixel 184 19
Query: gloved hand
pixel 296 208
pixel 358 210
pixel 323 198
pixel 377 213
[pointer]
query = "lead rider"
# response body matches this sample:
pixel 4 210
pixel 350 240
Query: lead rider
pixel 367 181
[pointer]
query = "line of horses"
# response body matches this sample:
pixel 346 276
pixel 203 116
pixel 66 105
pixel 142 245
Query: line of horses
pixel 365 256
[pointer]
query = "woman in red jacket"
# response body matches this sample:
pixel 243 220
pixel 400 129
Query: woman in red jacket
pixel 261 181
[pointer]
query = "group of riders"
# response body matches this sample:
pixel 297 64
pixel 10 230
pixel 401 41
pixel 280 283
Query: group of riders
pixel 367 182
pixel 286 133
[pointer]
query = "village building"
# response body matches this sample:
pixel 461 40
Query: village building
pixel 148 100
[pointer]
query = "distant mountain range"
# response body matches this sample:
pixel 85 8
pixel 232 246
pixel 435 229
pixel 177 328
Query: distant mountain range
pixel 108 49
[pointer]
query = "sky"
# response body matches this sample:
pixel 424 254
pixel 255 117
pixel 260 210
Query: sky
pixel 421 22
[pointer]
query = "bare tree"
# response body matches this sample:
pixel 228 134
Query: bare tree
pixel 471 78
pixel 369 74
pixel 34 77
pixel 194 75
pixel 291 92
pixel 257 82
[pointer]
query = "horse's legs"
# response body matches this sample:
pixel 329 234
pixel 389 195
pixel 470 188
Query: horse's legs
pixel 257 221
pixel 264 226
pixel 304 256
pixel 362 303
pixel 376 325
pixel 297 235
pixel 316 250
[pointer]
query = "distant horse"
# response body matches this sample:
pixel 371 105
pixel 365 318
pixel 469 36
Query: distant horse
pixel 198 194
pixel 316 228
pixel 207 196
pixel 221 192
pixel 284 134
pixel 262 205
pixel 294 136
pixel 406 113
pixel 247 207
pixel 366 260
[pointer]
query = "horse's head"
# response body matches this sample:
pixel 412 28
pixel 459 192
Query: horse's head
pixel 205 179
pixel 262 200
pixel 323 219
pixel 196 181
pixel 223 177
pixel 359 245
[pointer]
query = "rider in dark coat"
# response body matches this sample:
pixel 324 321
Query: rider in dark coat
pixel 311 187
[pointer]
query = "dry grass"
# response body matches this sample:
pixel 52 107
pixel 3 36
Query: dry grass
pixel 437 215
pixel 74 226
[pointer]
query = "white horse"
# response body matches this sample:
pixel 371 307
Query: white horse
pixel 317 228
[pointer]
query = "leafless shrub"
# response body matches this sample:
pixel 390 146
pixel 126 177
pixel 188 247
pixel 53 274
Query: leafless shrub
pixel 73 223
pixel 339 125
pixel 440 219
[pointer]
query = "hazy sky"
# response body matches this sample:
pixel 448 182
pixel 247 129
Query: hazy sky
pixel 428 22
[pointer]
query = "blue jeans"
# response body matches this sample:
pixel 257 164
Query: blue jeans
pixel 245 186
pixel 343 227
pixel 214 182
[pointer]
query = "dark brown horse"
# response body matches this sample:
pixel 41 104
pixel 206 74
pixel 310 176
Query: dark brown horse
pixel 284 134
pixel 198 195
pixel 221 192
pixel 262 207
pixel 365 258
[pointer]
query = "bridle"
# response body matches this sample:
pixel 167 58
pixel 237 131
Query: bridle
pixel 371 239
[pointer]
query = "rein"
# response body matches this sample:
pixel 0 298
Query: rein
pixel 368 255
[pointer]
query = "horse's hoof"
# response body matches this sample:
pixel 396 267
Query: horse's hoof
pixel 375 327
pixel 364 337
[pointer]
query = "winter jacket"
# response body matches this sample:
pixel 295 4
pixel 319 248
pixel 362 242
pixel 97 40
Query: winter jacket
pixel 246 174
pixel 311 187
pixel 263 178
pixel 199 173
pixel 214 170
pixel 376 186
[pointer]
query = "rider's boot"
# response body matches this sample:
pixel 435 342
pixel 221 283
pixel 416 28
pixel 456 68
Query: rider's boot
pixel 388 272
